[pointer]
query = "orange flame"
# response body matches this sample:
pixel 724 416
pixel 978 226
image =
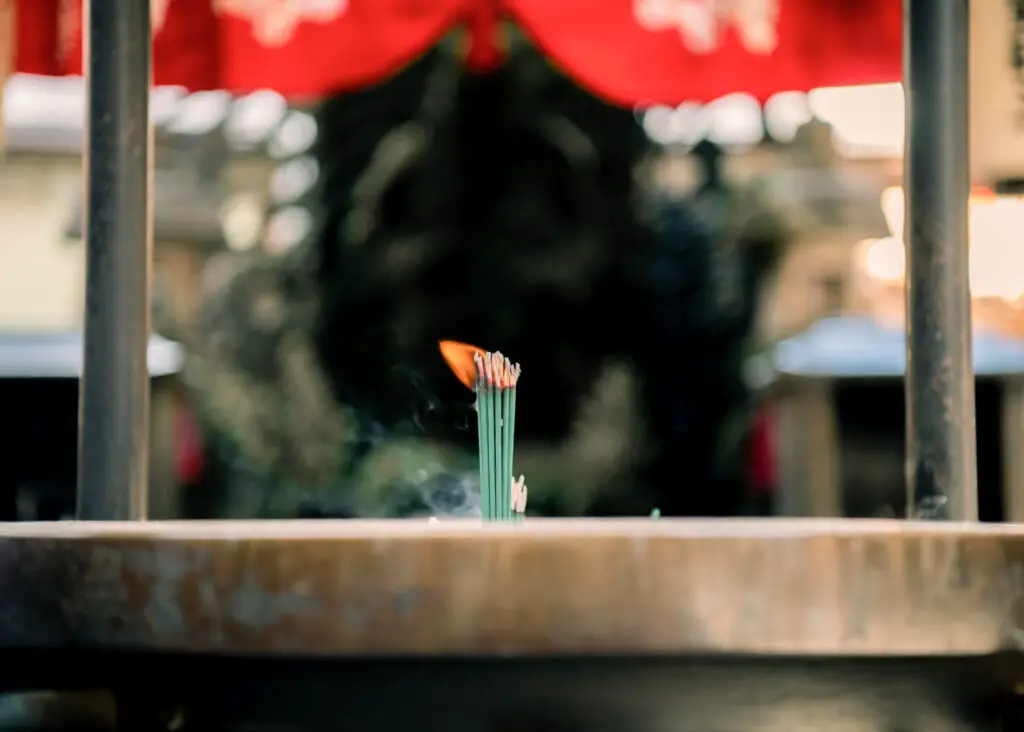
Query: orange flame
pixel 459 357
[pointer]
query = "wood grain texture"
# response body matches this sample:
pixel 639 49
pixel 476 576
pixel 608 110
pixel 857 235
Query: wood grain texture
pixel 805 587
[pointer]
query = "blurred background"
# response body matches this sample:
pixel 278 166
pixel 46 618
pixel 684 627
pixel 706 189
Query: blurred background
pixel 704 286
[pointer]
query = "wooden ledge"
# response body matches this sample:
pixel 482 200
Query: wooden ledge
pixel 804 587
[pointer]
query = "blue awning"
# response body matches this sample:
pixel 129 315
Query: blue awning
pixel 861 347
pixel 40 355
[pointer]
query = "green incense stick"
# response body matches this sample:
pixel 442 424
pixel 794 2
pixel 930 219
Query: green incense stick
pixel 510 441
pixel 506 452
pixel 493 448
pixel 496 445
pixel 496 407
pixel 483 408
pixel 487 454
pixel 487 419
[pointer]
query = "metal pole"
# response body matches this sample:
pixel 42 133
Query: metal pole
pixel 114 408
pixel 942 479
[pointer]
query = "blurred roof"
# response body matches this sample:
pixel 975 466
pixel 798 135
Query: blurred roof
pixel 196 136
pixel 45 355
pixel 47 115
pixel 182 214
pixel 861 347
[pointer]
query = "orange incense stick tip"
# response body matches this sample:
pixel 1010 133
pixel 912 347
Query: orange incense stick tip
pixel 459 357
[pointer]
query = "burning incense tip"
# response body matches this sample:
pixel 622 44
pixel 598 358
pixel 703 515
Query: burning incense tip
pixel 506 374
pixel 461 359
pixel 488 375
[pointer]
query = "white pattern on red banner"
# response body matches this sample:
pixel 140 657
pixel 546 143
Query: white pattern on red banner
pixel 158 13
pixel 626 51
pixel 69 29
pixel 274 21
pixel 701 23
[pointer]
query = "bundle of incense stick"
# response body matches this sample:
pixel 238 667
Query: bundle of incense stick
pixel 501 499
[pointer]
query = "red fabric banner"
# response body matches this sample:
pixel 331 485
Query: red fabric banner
pixel 670 51
pixel 317 46
pixel 37 34
pixel 187 46
pixel 628 51
pixel 296 47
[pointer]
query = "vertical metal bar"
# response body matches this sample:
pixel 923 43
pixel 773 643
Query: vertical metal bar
pixel 114 407
pixel 941 452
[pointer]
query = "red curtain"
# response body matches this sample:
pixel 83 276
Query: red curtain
pixel 368 41
pixel 628 51
pixel 37 36
pixel 295 47
pixel 186 42
pixel 670 51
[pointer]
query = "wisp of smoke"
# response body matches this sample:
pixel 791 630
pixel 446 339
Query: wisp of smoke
pixel 452 495
pixel 426 411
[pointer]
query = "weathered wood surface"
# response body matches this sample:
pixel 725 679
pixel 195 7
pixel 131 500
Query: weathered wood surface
pixel 805 587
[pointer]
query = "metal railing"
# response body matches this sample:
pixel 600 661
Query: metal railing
pixel 114 414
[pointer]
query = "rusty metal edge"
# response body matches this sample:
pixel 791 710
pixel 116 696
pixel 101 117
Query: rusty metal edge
pixel 566 587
